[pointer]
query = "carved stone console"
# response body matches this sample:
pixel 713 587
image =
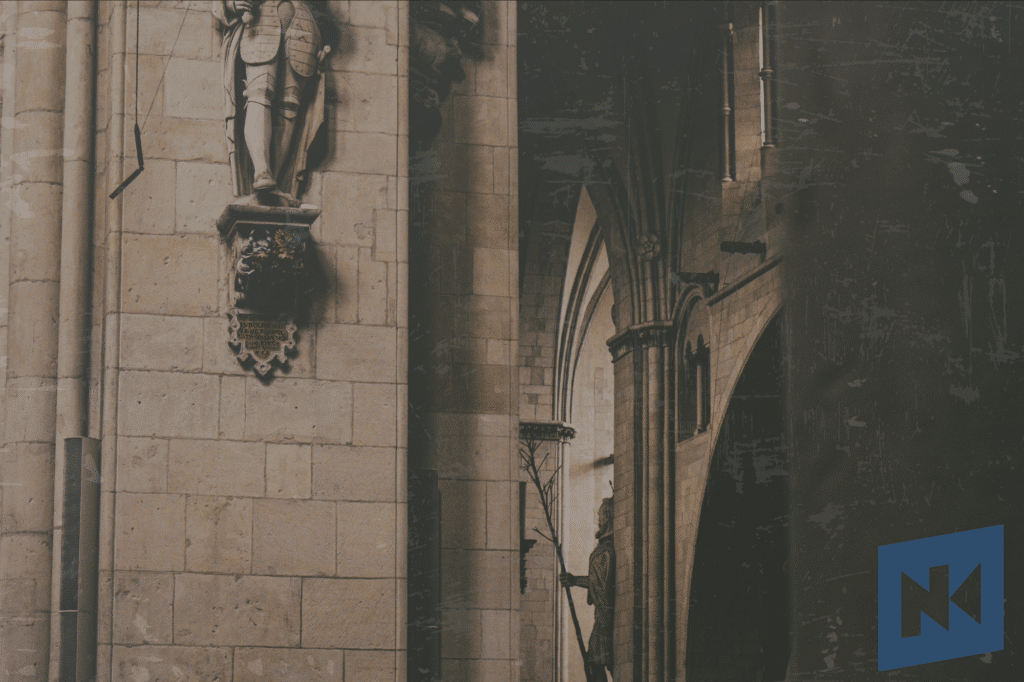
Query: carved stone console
pixel 272 279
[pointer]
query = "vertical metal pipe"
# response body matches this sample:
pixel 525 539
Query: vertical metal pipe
pixel 768 70
pixel 727 125
pixel 73 333
pixel 425 576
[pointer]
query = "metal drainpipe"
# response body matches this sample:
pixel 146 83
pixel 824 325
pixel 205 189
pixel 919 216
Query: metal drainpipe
pixel 73 336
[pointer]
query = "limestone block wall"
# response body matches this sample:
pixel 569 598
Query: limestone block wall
pixel 253 529
pixel 741 197
pixel 738 318
pixel 540 298
pixel 750 288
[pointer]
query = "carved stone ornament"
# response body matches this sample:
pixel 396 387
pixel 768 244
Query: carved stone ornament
pixel 546 430
pixel 639 336
pixel 260 340
pixel 650 247
pixel 273 279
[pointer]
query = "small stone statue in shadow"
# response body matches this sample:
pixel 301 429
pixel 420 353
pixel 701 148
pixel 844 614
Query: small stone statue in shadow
pixel 600 586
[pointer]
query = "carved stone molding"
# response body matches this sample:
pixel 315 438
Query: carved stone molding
pixel 640 336
pixel 546 430
pixel 649 246
pixel 273 254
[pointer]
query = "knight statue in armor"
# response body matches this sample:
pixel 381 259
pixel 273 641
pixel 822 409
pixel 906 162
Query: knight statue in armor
pixel 274 111
pixel 600 586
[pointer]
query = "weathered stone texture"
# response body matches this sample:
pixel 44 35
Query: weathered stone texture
pixel 294 537
pixel 364 474
pixel 264 610
pixel 289 471
pixel 218 534
pixel 170 664
pixel 143 608
pixel 150 532
pixel 289 665
pixel 216 467
pixel 249 517
pixel 366 539
pixel 348 613
pixel 161 342
pixel 156 281
pixel 299 410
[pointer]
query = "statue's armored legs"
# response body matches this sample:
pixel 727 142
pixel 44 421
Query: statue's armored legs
pixel 259 93
pixel 288 111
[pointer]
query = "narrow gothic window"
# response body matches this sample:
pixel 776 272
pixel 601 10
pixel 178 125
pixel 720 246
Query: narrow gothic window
pixel 694 376
pixel 687 419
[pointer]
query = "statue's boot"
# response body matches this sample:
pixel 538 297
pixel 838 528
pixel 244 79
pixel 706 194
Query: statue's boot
pixel 264 181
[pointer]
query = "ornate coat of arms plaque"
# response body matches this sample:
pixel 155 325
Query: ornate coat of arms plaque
pixel 261 340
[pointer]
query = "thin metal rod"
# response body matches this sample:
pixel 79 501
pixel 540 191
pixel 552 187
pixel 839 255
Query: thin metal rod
pixel 768 70
pixel 727 173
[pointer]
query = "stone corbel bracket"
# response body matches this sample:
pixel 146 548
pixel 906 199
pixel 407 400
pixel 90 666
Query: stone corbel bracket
pixel 640 336
pixel 546 430
pixel 271 248
pixel 707 281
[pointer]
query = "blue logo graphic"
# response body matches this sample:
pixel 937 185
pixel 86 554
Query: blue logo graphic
pixel 940 598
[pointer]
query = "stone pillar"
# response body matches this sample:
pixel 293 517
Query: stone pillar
pixel 643 523
pixel 464 305
pixel 34 272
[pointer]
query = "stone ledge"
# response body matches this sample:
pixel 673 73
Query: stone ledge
pixel 241 217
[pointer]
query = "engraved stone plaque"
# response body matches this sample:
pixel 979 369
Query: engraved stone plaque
pixel 260 339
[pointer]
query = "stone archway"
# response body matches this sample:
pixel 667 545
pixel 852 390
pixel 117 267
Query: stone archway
pixel 738 622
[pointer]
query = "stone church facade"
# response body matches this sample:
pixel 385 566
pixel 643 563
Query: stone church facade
pixel 719 262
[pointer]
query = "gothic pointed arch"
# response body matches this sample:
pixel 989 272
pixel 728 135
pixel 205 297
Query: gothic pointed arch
pixel 740 562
